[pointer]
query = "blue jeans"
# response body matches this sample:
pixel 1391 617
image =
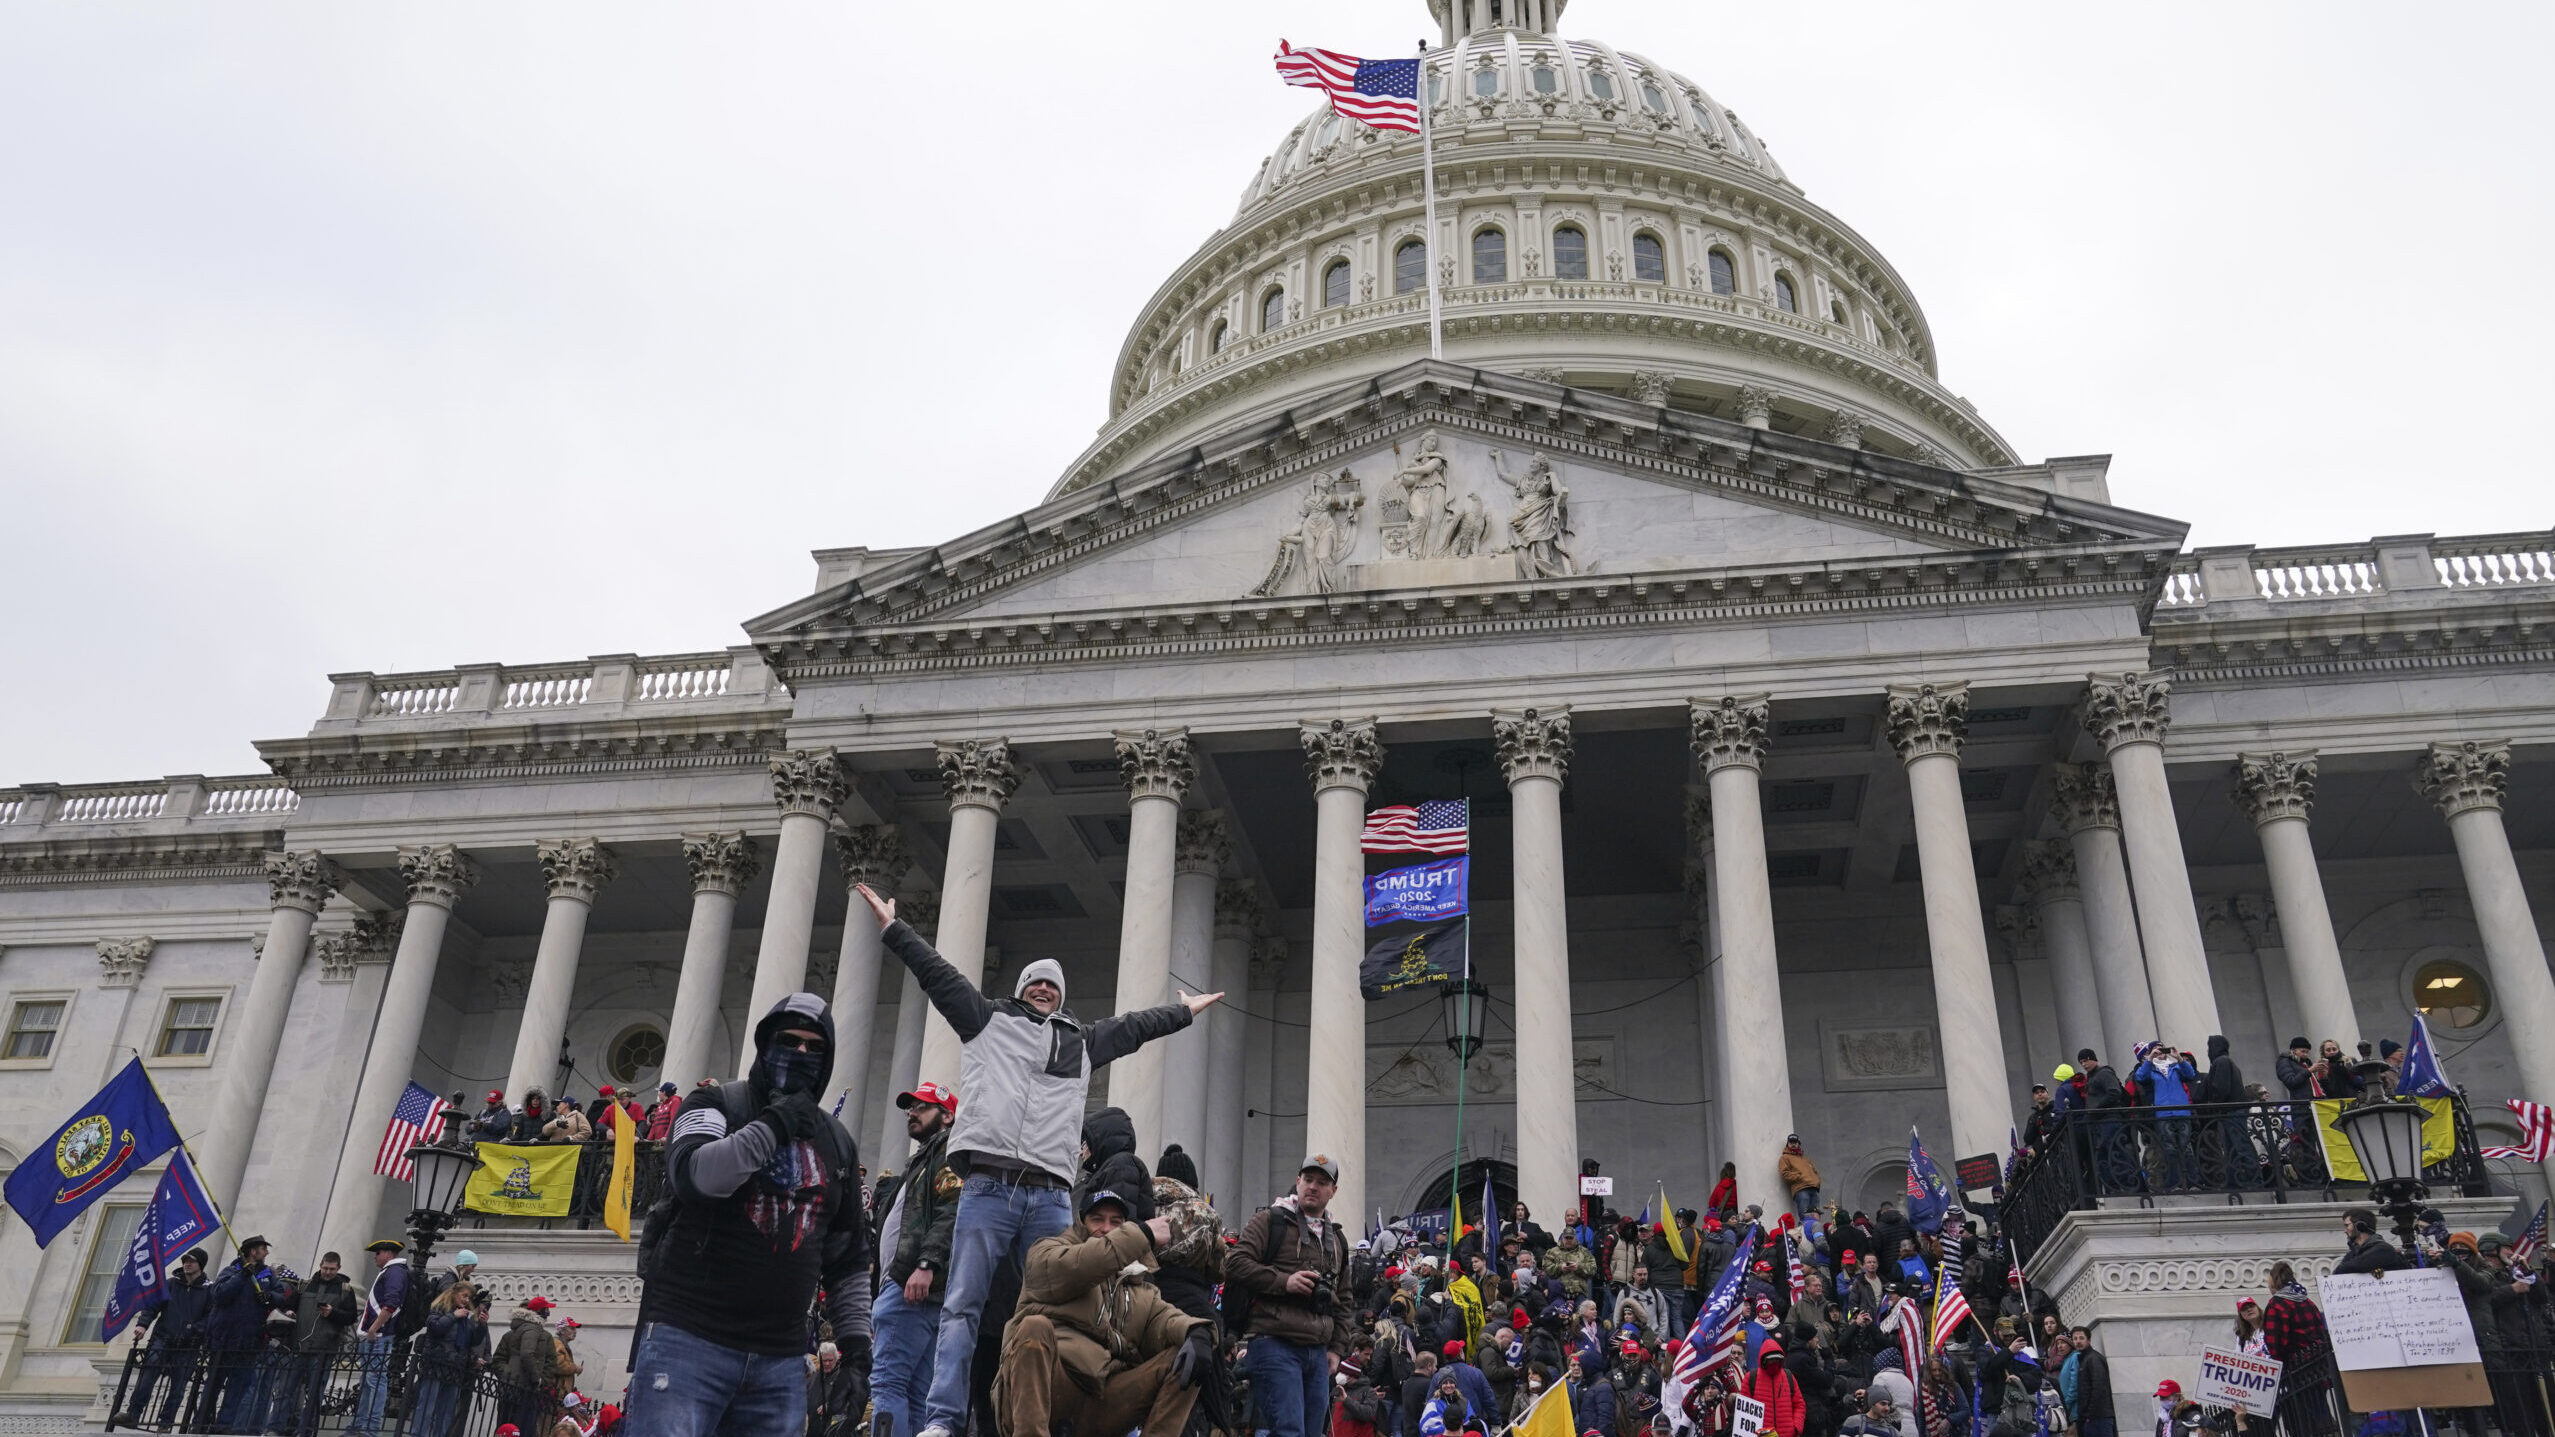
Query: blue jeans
pixel 684 1385
pixel 1290 1386
pixel 375 1351
pixel 436 1399
pixel 902 1337
pixel 996 1220
pixel 1805 1202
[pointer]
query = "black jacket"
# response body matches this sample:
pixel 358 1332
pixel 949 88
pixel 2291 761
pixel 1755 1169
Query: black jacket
pixel 929 1192
pixel 317 1333
pixel 2093 1387
pixel 2375 1255
pixel 176 1317
pixel 1113 1164
pixel 2103 1089
pixel 2295 1076
pixel 2225 1083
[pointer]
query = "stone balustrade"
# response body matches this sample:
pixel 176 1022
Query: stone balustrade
pixel 2395 564
pixel 609 683
pixel 179 800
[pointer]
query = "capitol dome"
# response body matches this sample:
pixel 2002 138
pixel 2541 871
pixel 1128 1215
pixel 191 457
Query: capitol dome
pixel 1603 223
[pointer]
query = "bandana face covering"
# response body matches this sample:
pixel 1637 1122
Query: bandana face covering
pixel 788 1070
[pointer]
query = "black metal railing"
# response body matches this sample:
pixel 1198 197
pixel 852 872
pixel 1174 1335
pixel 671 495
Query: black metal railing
pixel 2243 1152
pixel 193 1388
pixel 594 1177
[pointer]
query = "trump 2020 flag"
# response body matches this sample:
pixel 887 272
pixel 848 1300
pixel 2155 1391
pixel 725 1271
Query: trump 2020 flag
pixel 113 1136
pixel 1423 892
pixel 180 1216
pixel 2422 1077
pixel 1927 1197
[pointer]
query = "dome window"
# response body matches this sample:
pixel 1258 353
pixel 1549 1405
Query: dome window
pixel 1652 100
pixel 1546 82
pixel 1490 257
pixel 1601 85
pixel 1273 310
pixel 1725 275
pixel 1410 266
pixel 1217 336
pixel 1335 284
pixel 1649 259
pixel 1485 82
pixel 1436 89
pixel 1330 130
pixel 1570 253
pixel 1784 297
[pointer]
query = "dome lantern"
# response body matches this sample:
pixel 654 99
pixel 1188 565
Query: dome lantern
pixel 1459 18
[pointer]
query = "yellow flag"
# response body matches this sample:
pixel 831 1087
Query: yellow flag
pixel 1549 1417
pixel 2439 1137
pixel 1668 1227
pixel 524 1181
pixel 1468 1300
pixel 625 1165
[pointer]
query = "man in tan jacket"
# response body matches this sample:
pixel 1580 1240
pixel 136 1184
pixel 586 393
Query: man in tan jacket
pixel 1800 1175
pixel 1091 1346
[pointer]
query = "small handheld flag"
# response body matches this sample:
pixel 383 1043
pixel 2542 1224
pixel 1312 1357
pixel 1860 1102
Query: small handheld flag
pixel 115 1134
pixel 1927 1195
pixel 414 1121
pixel 2422 1077
pixel 2524 1247
pixel 181 1215
pixel 1382 93
pixel 1951 1305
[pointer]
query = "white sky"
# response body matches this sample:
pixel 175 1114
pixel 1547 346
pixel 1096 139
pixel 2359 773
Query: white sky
pixel 392 336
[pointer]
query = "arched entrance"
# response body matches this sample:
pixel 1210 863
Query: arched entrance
pixel 1503 1185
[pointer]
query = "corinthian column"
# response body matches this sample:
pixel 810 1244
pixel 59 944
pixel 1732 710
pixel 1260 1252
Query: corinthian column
pixel 576 869
pixel 2128 712
pixel 298 885
pixel 1158 771
pixel 978 776
pixel 1927 725
pixel 1534 756
pixel 1199 856
pixel 2276 791
pixel 1237 916
pixel 875 855
pixel 2088 810
pixel 722 864
pixel 807 786
pixel 2468 781
pixel 1341 758
pixel 437 876
pixel 1728 735
pixel 2049 880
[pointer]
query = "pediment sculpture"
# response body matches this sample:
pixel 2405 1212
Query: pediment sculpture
pixel 1424 535
pixel 1315 552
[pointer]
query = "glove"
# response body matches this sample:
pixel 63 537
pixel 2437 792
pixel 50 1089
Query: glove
pixel 1189 1366
pixel 795 1117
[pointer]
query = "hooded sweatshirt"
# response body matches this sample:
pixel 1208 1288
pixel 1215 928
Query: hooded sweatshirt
pixel 760 1222
pixel 1113 1164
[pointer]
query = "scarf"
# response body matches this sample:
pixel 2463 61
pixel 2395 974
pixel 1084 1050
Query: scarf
pixel 2294 1290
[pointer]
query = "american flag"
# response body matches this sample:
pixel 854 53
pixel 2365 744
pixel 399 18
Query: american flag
pixel 2524 1247
pixel 1718 1332
pixel 2537 1132
pixel 1440 826
pixel 1951 1305
pixel 415 1120
pixel 1382 93
pixel 1799 1275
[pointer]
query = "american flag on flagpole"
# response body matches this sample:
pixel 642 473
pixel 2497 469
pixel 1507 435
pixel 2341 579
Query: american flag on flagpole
pixel 2537 1132
pixel 1951 1305
pixel 1800 1276
pixel 415 1120
pixel 2524 1247
pixel 1718 1333
pixel 1442 826
pixel 1382 93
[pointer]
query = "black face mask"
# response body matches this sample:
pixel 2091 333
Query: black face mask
pixel 787 1070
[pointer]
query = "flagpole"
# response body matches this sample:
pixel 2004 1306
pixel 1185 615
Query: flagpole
pixel 1463 1060
pixel 1436 341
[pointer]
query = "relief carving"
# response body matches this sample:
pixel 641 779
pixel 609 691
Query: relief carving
pixel 1539 527
pixel 1313 556
pixel 1864 1059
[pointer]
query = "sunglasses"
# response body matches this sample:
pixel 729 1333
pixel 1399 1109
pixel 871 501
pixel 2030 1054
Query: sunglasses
pixel 798 1044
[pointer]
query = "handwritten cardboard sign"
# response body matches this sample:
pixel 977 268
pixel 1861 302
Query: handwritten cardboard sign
pixel 1747 1416
pixel 2406 1318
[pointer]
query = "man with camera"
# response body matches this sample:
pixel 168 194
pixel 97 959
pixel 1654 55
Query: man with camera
pixel 1292 1261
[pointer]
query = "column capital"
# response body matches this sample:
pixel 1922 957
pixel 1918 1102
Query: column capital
pixel 436 874
pixel 976 772
pixel 1268 964
pixel 121 961
pixel 373 939
pixel 1755 405
pixel 2049 872
pixel 2274 785
pixel 921 912
pixel 1532 743
pixel 872 853
pixel 2464 775
pixel 809 781
pixel 2259 916
pixel 2016 927
pixel 721 862
pixel 2128 708
pixel 304 880
pixel 2084 797
pixel 1237 906
pixel 1155 763
pixel 575 868
pixel 1928 719
pixel 1341 753
pixel 1728 732
pixel 1203 845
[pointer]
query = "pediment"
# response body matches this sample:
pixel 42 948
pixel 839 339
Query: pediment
pixel 1456 480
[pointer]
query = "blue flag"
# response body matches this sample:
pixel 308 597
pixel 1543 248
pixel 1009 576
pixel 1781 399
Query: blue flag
pixel 180 1216
pixel 1423 892
pixel 113 1136
pixel 2422 1077
pixel 1927 1196
pixel 1490 1222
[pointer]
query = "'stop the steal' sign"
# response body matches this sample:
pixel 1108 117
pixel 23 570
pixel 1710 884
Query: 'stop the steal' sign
pixel 2231 1379
pixel 1423 892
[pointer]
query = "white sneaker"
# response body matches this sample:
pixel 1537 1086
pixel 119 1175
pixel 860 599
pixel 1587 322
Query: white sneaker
pixel 936 1430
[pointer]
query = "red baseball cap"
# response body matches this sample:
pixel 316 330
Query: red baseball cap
pixel 932 1093
pixel 495 1097
pixel 537 1304
pixel 606 1092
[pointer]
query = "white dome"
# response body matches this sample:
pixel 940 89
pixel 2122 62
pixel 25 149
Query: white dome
pixel 1602 223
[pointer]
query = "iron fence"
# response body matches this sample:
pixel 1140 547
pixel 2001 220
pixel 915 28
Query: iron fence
pixel 594 1178
pixel 169 1387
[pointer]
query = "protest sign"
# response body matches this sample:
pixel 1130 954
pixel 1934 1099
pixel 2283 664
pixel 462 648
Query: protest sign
pixel 2231 1379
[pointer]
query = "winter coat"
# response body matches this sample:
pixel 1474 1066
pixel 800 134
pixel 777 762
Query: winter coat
pixel 929 1195
pixel 527 1123
pixel 2171 1083
pixel 1025 1073
pixel 2089 1400
pixel 1902 1393
pixel 2225 1083
pixel 2103 1091
pixel 2297 1077
pixel 1797 1171
pixel 444 1349
pixel 1280 1232
pixel 1105 1322
pixel 1648 1309
pixel 1594 1404
pixel 493 1124
pixel 1533 1232
pixel 176 1317
pixel 2375 1255
pixel 1574 1267
pixel 1725 1196
pixel 661 1116
pixel 567 1126
pixel 238 1304
pixel 1772 1385
pixel 313 1332
pixel 1113 1164
pixel 527 1356
pixel 2293 1331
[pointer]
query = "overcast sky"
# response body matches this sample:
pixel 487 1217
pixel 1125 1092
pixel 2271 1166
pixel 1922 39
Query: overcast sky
pixel 392 336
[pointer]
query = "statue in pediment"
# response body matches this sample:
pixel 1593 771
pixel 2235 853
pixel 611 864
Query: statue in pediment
pixel 1470 533
pixel 1422 482
pixel 1539 527
pixel 1317 548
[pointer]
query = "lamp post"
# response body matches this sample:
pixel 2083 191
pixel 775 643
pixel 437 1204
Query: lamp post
pixel 2386 1135
pixel 441 1174
pixel 1467 1010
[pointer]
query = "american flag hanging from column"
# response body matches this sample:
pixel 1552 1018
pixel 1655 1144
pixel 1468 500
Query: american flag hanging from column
pixel 1382 93
pixel 2537 1132
pixel 416 1120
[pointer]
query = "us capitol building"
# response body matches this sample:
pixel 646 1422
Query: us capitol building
pixel 1834 768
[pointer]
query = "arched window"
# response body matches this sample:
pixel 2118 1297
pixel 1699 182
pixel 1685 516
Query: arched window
pixel 1490 257
pixel 1601 85
pixel 1649 259
pixel 1652 99
pixel 1546 82
pixel 1335 284
pixel 1485 82
pixel 1570 253
pixel 1273 310
pixel 1436 89
pixel 1410 266
pixel 1216 337
pixel 1330 129
pixel 2452 994
pixel 1725 275
pixel 1784 298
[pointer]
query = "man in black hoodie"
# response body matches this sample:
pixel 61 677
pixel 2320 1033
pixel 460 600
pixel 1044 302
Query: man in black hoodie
pixel 2115 1153
pixel 1109 1163
pixel 766 1209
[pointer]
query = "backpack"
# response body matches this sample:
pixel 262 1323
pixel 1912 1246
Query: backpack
pixel 736 1104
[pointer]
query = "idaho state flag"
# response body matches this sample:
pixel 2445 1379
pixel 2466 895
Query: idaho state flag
pixel 113 1135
